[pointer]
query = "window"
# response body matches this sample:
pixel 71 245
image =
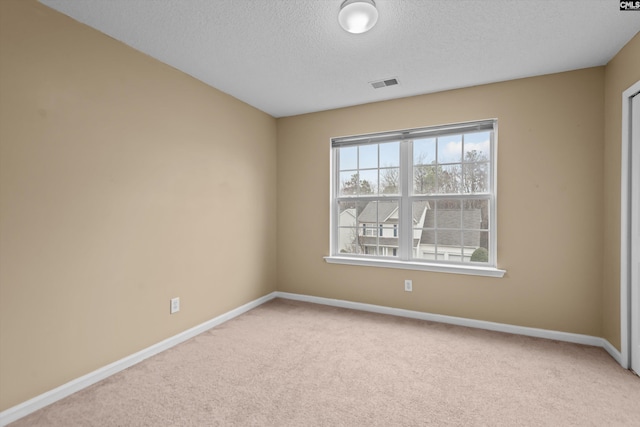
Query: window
pixel 429 193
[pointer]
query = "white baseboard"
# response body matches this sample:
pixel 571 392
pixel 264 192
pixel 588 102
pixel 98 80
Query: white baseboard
pixel 613 352
pixel 14 413
pixel 461 321
pixel 23 409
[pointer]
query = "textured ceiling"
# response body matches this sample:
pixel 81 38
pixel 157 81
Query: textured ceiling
pixel 288 57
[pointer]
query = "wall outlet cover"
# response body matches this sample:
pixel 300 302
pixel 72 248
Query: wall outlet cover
pixel 175 305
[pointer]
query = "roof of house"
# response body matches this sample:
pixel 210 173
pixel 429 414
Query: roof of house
pixel 377 211
pixel 386 209
pixel 449 222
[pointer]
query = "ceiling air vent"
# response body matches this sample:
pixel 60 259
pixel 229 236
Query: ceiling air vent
pixel 384 83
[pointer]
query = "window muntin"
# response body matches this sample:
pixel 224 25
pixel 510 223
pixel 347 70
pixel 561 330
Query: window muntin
pixel 423 195
pixel 369 169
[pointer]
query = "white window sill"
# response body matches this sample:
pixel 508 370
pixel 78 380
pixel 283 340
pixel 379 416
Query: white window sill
pixel 473 270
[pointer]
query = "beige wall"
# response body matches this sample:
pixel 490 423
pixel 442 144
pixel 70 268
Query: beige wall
pixel 550 184
pixel 620 74
pixel 123 183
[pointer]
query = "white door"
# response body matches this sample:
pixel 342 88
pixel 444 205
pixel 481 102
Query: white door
pixel 635 234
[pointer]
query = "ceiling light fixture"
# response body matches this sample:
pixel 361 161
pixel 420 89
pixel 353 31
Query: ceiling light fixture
pixel 358 16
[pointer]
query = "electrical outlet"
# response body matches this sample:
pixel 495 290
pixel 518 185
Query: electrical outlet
pixel 408 285
pixel 175 305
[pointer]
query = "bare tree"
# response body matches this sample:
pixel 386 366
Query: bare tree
pixel 390 180
pixel 476 172
pixel 424 176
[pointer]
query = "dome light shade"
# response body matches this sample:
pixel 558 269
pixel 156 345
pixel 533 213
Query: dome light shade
pixel 358 16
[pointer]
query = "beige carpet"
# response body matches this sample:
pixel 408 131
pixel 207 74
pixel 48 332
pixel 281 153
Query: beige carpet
pixel 289 363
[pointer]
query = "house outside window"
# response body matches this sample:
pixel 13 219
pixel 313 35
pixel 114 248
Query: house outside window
pixel 429 193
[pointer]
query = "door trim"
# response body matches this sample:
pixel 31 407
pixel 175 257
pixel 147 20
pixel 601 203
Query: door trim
pixel 625 227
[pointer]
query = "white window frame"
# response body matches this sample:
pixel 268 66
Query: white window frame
pixel 405 259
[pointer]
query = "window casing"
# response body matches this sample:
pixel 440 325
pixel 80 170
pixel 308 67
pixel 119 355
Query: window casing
pixel 419 198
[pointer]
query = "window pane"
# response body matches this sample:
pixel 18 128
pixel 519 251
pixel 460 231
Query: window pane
pixel 388 213
pixel 449 239
pixel 424 244
pixel 368 156
pixel 441 235
pixel 370 250
pixel 387 231
pixel 426 252
pixel 348 240
pixel 451 229
pixel 388 241
pixel 369 214
pixel 368 228
pixel 390 251
pixel 476 214
pixel 424 179
pixel 390 181
pixel 347 223
pixel 448 214
pixel 420 211
pixel 390 154
pixel 471 239
pixel 348 213
pixel 475 178
pixel 450 149
pixel 376 225
pixel 348 158
pixel 476 219
pixel 477 147
pixel 449 253
pixel 449 179
pixel 476 244
pixel 369 181
pixel 348 183
pixel 423 237
pixel 455 255
pixel 368 231
pixel 424 151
